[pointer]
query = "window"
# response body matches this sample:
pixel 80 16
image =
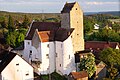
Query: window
pixel 69 56
pixel 76 8
pixel 30 54
pixel 77 34
pixel 71 36
pixel 47 55
pixel 61 45
pixel 27 73
pixel 48 45
pixel 30 51
pixel 60 65
pixel 17 64
pixel 28 43
pixel 56 54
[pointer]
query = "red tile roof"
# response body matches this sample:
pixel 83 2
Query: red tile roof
pixel 44 36
pixel 98 46
pixel 78 75
pixel 67 7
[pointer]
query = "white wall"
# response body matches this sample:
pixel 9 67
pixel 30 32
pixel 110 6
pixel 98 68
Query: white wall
pixel 27 48
pixel 59 57
pixel 48 58
pixel 68 54
pixel 65 57
pixel 17 70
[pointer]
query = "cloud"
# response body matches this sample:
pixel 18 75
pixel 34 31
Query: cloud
pixel 102 3
pixel 23 2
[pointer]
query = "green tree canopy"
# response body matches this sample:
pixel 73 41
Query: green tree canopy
pixel 110 56
pixel 88 64
pixel 15 38
pixel 105 35
pixel 26 22
pixel 88 24
pixel 11 25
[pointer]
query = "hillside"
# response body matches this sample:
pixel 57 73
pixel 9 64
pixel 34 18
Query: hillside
pixel 32 16
pixel 114 13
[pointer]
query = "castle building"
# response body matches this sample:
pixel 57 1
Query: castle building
pixel 50 46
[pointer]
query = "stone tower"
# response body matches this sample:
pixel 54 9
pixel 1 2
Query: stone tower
pixel 72 17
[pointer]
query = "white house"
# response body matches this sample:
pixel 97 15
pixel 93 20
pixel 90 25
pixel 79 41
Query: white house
pixel 50 46
pixel 13 67
pixel 96 26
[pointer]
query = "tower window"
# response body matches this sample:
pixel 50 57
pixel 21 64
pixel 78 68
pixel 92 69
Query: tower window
pixel 76 8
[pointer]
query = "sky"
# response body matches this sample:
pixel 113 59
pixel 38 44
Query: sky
pixel 55 6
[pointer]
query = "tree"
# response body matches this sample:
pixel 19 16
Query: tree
pixel 11 26
pixel 19 39
pixel 15 38
pixel 88 64
pixel 105 35
pixel 110 56
pixel 88 24
pixel 26 22
pixel 113 72
pixel 11 38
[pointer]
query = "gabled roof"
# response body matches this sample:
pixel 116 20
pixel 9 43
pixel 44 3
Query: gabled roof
pixel 97 46
pixel 5 58
pixel 78 75
pixel 48 31
pixel 41 26
pixel 100 44
pixel 67 7
pixel 60 34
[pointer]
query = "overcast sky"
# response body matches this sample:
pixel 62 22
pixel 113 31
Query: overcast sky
pixel 55 6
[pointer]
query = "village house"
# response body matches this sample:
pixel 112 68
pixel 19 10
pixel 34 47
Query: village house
pixel 81 75
pixel 100 72
pixel 97 46
pixel 13 67
pixel 50 46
